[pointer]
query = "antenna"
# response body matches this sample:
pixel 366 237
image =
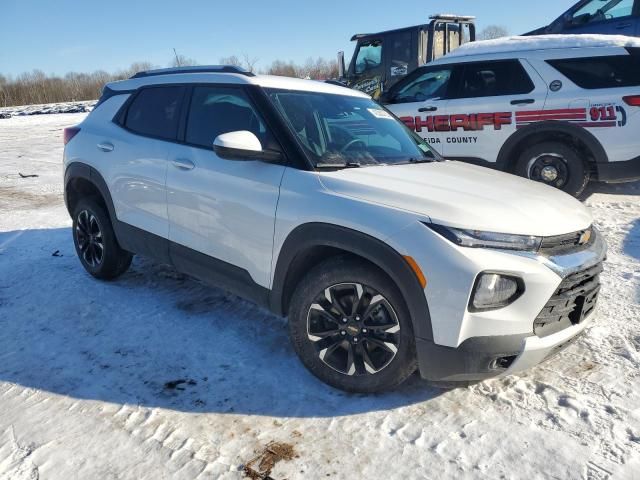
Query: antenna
pixel 177 58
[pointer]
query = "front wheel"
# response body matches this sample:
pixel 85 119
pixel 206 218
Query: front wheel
pixel 555 164
pixel 351 328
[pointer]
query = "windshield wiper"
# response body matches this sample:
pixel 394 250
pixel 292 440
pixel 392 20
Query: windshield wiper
pixel 421 160
pixel 324 165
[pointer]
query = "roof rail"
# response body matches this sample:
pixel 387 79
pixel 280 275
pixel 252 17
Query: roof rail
pixel 194 69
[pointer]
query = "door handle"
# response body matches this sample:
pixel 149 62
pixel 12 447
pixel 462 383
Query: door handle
pixel 622 26
pixel 428 109
pixel 105 147
pixel 183 164
pixel 524 101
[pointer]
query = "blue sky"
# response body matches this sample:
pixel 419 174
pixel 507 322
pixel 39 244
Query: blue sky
pixel 58 36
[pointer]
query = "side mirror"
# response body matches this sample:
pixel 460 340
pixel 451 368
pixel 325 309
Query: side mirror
pixel 243 145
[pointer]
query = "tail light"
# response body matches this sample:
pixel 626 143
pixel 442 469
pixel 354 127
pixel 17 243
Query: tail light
pixel 69 133
pixel 633 100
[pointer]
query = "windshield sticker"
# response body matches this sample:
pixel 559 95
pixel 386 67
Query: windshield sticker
pixel 379 113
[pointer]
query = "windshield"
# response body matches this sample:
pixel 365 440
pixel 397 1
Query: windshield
pixel 344 131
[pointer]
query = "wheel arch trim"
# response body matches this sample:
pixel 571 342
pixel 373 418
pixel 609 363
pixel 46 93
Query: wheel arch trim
pixel 377 252
pixel 505 160
pixel 80 170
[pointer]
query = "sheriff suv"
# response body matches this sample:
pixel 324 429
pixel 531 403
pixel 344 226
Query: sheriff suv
pixel 559 109
pixel 313 201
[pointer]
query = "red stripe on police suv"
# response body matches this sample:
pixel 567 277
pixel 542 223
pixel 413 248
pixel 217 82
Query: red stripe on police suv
pixel 451 123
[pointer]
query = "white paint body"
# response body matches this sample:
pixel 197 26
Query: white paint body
pixel 242 212
pixel 617 140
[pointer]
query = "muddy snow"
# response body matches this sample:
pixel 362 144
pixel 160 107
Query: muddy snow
pixel 157 376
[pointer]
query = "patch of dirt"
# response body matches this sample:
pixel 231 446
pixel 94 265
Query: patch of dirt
pixel 179 384
pixel 18 199
pixel 260 467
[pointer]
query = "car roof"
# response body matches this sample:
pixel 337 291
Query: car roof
pixel 215 74
pixel 503 47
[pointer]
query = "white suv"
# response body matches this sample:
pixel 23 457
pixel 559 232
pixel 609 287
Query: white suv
pixel 313 201
pixel 559 109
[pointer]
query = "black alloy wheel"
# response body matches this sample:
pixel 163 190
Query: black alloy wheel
pixel 354 329
pixel 89 238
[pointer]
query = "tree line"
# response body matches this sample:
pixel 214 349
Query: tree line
pixel 37 87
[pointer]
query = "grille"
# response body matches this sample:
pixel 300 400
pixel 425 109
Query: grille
pixel 572 302
pixel 569 242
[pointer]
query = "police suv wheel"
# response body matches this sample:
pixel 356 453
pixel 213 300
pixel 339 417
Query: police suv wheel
pixel 555 164
pixel 351 328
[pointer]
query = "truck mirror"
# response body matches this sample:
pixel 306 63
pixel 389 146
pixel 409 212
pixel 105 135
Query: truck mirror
pixel 341 68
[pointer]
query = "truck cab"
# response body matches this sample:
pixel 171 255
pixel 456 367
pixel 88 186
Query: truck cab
pixel 610 17
pixel 382 59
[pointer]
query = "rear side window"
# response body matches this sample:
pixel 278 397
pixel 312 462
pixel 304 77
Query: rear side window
pixel 600 72
pixel 217 110
pixel 155 112
pixel 492 79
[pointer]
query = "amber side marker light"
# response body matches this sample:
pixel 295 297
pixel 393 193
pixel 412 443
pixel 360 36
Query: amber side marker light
pixel 416 269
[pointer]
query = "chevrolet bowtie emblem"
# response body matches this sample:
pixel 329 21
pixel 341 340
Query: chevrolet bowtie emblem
pixel 585 237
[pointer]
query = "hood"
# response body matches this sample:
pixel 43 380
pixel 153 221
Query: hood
pixel 460 195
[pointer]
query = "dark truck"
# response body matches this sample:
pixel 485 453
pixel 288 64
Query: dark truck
pixel 611 17
pixel 382 59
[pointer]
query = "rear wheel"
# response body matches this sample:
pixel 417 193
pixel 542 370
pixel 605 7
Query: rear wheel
pixel 555 164
pixel 351 328
pixel 95 241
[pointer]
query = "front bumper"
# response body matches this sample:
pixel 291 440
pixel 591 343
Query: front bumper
pixel 480 357
pixel 612 172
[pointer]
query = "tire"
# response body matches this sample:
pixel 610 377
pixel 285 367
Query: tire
pixel 572 171
pixel 379 326
pixel 95 241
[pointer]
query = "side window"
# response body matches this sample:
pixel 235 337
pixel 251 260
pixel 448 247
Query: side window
pixel 430 84
pixel 491 79
pixel 601 72
pixel 155 112
pixel 600 10
pixel 369 56
pixel 400 47
pixel 217 110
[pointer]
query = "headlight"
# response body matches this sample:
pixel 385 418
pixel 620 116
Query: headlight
pixel 494 290
pixel 478 239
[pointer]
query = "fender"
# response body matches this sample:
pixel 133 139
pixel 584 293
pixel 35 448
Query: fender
pixel 77 170
pixel 129 237
pixel 311 235
pixel 586 137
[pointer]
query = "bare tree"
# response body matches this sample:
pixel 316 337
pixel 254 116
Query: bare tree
pixel 182 61
pixel 37 87
pixel 247 62
pixel 279 67
pixel 232 60
pixel 492 32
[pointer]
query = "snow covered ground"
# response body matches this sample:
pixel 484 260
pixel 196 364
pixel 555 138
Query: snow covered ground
pixel 157 376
